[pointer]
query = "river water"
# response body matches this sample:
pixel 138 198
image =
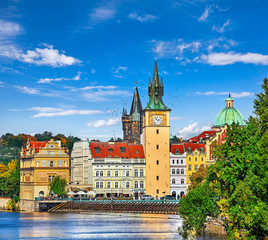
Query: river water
pixel 95 225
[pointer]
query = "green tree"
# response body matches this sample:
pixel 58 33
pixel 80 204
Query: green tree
pixel 198 177
pixel 58 186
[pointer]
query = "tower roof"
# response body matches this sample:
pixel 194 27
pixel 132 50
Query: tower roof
pixel 156 91
pixel 136 106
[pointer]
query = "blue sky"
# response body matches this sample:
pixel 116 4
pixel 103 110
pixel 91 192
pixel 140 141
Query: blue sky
pixel 71 66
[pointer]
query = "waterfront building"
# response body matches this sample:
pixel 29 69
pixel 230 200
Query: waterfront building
pixel 177 170
pixel 156 139
pixel 81 167
pixel 118 169
pixel 132 122
pixel 40 163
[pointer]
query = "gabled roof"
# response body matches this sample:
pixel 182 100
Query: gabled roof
pixel 203 135
pixel 37 145
pixel 183 147
pixel 131 150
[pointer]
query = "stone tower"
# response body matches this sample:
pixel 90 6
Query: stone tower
pixel 132 122
pixel 156 139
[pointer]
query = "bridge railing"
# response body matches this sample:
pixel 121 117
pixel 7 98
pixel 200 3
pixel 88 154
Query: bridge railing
pixel 52 198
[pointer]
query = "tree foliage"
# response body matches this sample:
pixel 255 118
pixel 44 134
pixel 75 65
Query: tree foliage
pixel 239 180
pixel 198 177
pixel 58 186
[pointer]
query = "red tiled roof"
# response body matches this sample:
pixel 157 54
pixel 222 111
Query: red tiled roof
pixel 183 147
pixel 37 145
pixel 131 150
pixel 202 135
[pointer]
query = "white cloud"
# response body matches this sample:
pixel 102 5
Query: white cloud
pixel 222 28
pixel 205 14
pixel 56 112
pixel 49 80
pixel 120 69
pixel 192 129
pixel 28 90
pixel 101 14
pixel 9 29
pixel 145 18
pixel 232 57
pixel 233 94
pixel 104 123
pixel 48 56
pixel 93 70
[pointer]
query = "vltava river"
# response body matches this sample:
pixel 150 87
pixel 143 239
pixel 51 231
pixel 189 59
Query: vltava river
pixel 16 225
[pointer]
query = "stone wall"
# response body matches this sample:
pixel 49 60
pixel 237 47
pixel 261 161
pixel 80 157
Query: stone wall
pixel 27 205
pixel 3 202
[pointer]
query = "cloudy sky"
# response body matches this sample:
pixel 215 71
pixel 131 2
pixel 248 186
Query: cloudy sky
pixel 71 66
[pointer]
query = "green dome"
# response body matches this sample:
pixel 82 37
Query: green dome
pixel 227 116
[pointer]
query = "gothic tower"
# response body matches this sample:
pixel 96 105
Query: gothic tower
pixel 156 139
pixel 132 122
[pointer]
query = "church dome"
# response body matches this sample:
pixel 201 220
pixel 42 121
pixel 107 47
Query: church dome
pixel 229 114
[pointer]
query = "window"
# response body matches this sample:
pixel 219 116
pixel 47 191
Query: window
pixel 202 159
pixel 182 181
pixel 190 167
pixel 116 173
pixel 157 191
pixel 157 177
pixel 141 173
pixel 43 152
pixel 124 173
pixel 157 146
pixel 141 184
pixel 173 181
pixel 122 149
pixel 49 178
pixel 43 163
pixel 116 185
pixel 189 149
pixel 173 171
pixel 189 158
pixel 51 164
pixel 123 184
pixel 173 161
pixel 37 163
pixel 136 173
pixel 196 159
pixel 101 184
pixel 110 150
pixel 97 185
pixel 109 174
pixel 127 173
pixel 97 149
pixel 127 184
pixel 108 184
pixel 195 167
pixel 157 162
pixel 182 171
pixel 157 131
pixel 178 171
pixel 181 161
pixel 60 162
pixel 51 152
pixel 101 173
pixel 97 173
pixel 136 184
pixel 137 151
pixel 177 161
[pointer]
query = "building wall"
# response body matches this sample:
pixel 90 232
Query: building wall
pixel 156 147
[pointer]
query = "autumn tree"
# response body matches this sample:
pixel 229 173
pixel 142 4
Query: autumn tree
pixel 58 186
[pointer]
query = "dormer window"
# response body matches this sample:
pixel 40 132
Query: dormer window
pixel 110 150
pixel 201 150
pixel 122 149
pixel 137 151
pixel 189 149
pixel 97 149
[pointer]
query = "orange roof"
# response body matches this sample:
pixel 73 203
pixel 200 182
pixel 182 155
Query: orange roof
pixel 116 150
pixel 183 147
pixel 203 135
pixel 37 145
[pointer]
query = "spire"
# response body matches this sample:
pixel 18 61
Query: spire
pixel 155 75
pixel 149 85
pixel 136 107
pixel 161 86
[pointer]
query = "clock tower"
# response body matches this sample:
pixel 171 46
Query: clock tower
pixel 156 139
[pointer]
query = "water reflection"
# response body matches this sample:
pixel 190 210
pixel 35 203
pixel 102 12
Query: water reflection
pixel 88 226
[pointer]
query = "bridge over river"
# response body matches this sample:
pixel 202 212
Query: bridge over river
pixel 131 206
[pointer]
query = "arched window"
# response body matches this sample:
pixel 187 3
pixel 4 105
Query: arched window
pixel 109 174
pixel 136 173
pixel 97 185
pixel 141 184
pixel 136 184
pixel 173 181
pixel 116 173
pixel 116 185
pixel 141 173
pixel 97 173
pixel 182 181
pixel 101 184
pixel 182 171
pixel 127 184
pixel 173 171
pixel 178 171
pixel 101 173
pixel 108 184
pixel 127 173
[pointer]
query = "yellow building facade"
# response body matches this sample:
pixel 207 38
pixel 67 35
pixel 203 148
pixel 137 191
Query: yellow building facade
pixel 40 163
pixel 156 140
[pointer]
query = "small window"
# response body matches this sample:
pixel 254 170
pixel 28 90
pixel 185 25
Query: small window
pixel 178 171
pixel 136 184
pixel 173 161
pixel 177 161
pixel 97 185
pixel 157 162
pixel 116 173
pixel 127 184
pixel 109 174
pixel 202 159
pixel 116 185
pixel 157 146
pixel 157 191
pixel 137 151
pixel 141 173
pixel 141 184
pixel 101 184
pixel 182 181
pixel 101 173
pixel 189 158
pixel 157 177
pixel 97 173
pixel 190 167
pixel 173 171
pixel 136 173
pixel 182 171
pixel 108 184
pixel 110 150
pixel 196 167
pixel 173 181
pixel 51 164
pixel 49 178
pixel 157 131
pixel 181 161
pixel 122 149
pixel 97 149
pixel 196 159
pixel 127 173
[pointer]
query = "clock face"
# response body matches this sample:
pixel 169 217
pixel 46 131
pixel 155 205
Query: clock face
pixel 157 120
